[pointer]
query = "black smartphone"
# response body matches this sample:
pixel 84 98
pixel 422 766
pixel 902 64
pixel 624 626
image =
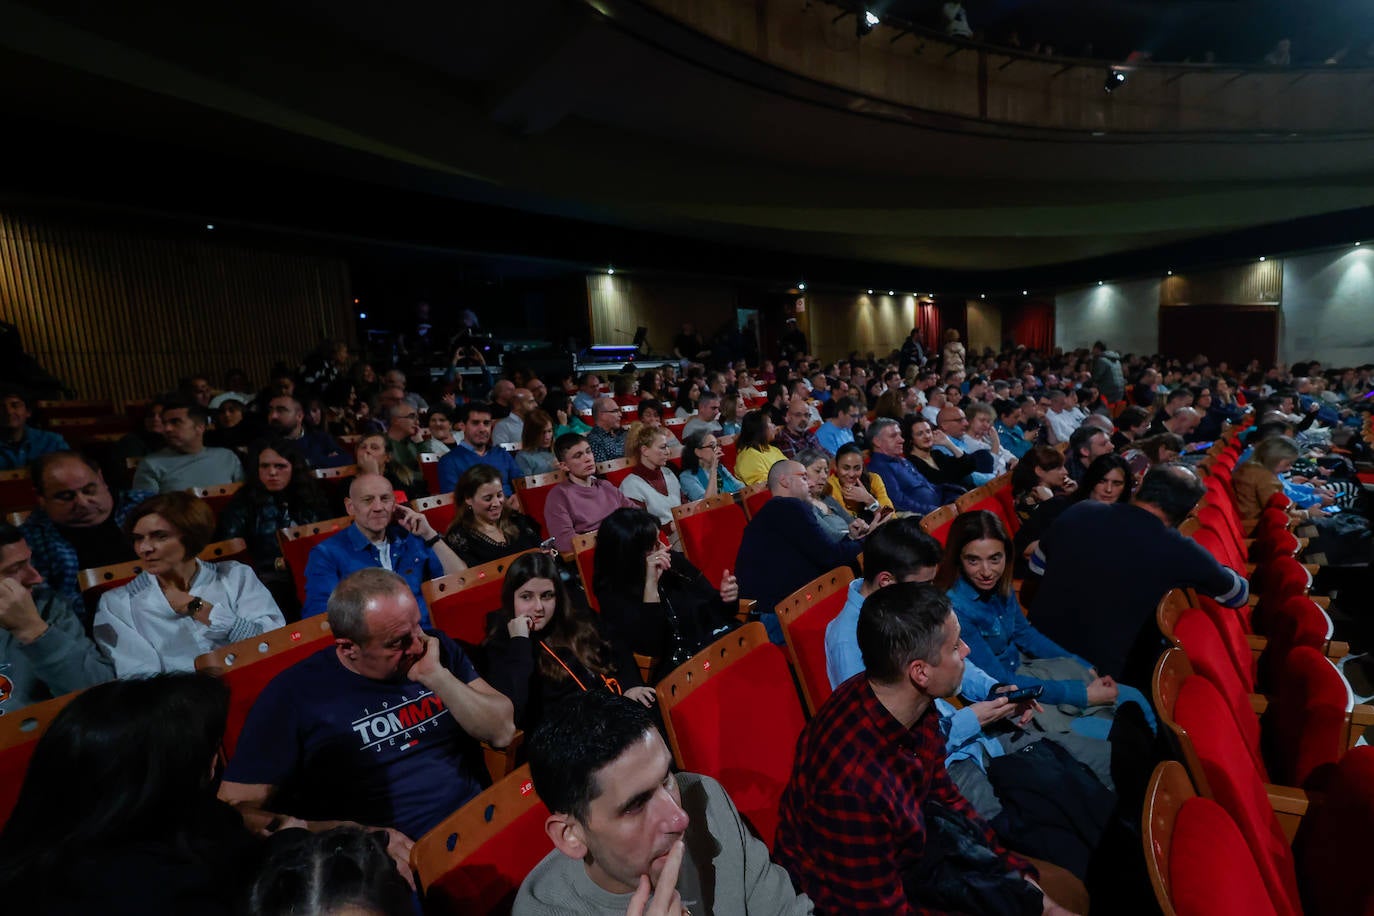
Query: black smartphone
pixel 1023 695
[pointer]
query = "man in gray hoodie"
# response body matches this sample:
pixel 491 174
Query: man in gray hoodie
pixel 44 651
pixel 1107 374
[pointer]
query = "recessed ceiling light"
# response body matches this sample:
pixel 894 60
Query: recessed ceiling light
pixel 891 293
pixel 801 286
pixel 610 271
pixel 1261 257
pixel 1025 292
pixel 870 292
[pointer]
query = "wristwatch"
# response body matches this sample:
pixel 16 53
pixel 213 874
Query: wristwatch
pixel 193 607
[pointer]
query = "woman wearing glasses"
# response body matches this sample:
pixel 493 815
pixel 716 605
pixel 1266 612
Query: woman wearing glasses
pixel 703 474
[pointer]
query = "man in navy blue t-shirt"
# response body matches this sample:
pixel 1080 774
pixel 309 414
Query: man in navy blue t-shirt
pixel 381 729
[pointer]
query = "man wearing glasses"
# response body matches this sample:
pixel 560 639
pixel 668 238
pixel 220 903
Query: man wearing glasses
pixel 607 439
pixel 839 428
pixel 708 415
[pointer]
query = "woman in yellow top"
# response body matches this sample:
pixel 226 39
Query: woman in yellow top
pixel 860 491
pixel 756 452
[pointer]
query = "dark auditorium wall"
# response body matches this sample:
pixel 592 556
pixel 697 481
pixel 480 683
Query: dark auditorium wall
pixel 123 314
pixel 618 304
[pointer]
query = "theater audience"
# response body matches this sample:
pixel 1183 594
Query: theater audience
pixel 78 523
pixel 907 487
pixel 44 651
pixel 731 414
pixel 234 429
pixel 703 474
pixel 1131 425
pixel 510 428
pixel 485 527
pixel 579 503
pixel 784 547
pixel 439 421
pixel 1107 480
pixel 117 813
pixel 981 435
pixel 653 599
pixel 21 443
pixel 934 454
pixel 835 520
pixel 179 606
pixel 859 490
pixel 286 419
pixel 345 871
pixel 566 420
pixel 651 483
pixel 707 417
pixel 624 825
pixel 374 457
pixel 403 436
pixel 607 437
pixel 1086 443
pixel 542 649
pixel 379 729
pixel 1040 487
pixel 838 428
pixel 477 448
pixel 536 445
pixel 186 461
pixel 384 535
pixel 755 452
pixel 795 435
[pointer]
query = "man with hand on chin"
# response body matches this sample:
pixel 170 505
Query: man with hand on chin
pixel 633 838
pixel 379 729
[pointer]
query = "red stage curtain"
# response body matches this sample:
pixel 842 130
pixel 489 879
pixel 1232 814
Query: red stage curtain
pixel 1031 324
pixel 932 328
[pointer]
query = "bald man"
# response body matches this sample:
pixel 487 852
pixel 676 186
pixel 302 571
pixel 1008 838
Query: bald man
pixel 382 534
pixel 510 428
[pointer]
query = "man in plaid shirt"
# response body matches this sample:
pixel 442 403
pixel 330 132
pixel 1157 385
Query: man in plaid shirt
pixel 852 822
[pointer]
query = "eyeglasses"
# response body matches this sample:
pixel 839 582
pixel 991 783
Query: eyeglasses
pixel 709 445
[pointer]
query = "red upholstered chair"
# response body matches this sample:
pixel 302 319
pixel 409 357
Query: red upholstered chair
pixel 804 615
pixel 297 542
pixel 1223 769
pixel 1231 625
pixel 1288 622
pixel 19 734
pixel 749 746
pixel 1199 639
pixel 216 497
pixel 614 471
pixel 246 666
pixel 1332 846
pixel 710 531
pixel 728 450
pixel 534 493
pixel 1306 726
pixel 985 499
pixel 429 467
pixel 439 510
pixel 936 524
pixel 754 496
pixel 475 859
pixel 459 604
pixel 1198 861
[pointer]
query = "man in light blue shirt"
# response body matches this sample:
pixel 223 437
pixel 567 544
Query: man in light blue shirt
pixel 954 424
pixel 838 430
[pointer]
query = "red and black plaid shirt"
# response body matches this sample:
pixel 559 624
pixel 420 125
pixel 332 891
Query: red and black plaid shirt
pixel 790 445
pixel 852 822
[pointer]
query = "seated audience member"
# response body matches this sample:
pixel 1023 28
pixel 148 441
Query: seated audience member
pixel 485 527
pixel 396 538
pixel 1181 423
pixel 536 445
pixel 439 421
pixel 477 448
pixel 44 651
pixel 403 436
pixel 234 428
pixel 1079 560
pixel 1257 480
pixel 795 435
pixel 279 493
pixel 117 813
pixel 139 442
pixel 1086 443
pixel 578 504
pixel 982 436
pixel 395 378
pixel 1040 488
pixel 588 389
pixel 1107 480
pixel 1131 426
pixel 625 826
pixel 907 487
pixel 78 523
pixel 707 418
pixel 607 436
pixel 784 547
pixel 653 599
pixel 21 443
pixel 651 483
pixel 731 414
pixel 186 462
pixel 688 400
pixel 835 520
pixel 703 474
pixel 345 871
pixel 855 816
pixel 1060 418
pixel 1014 437
pixel 860 491
pixel 1153 450
pixel 935 455
pixel 755 452
pixel 286 419
pixel 542 649
pixel 559 406
pixel 374 457
pixel 380 729
pixel 510 429
pixel 180 606
pixel 953 422
pixel 1174 401
pixel 838 429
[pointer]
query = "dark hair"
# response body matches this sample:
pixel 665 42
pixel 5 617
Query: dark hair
pixel 14 391
pixel 690 443
pixel 9 534
pixel 966 528
pixel 623 539
pixel 557 399
pixel 898 624
pixel 40 466
pixel 1042 457
pixel 566 443
pixel 753 431
pixel 302 495
pixel 1081 437
pixel 649 404
pixel 899 548
pixel 472 407
pixel 1131 417
pixel 583 735
pixel 474 479
pixel 1152 446
pixel 194 411
pixel 569 626
pixel 125 762
pixel 306 872
pixel 193 518
pixel 1172 488
pixel 1103 465
pixel 1005 406
pixel 532 433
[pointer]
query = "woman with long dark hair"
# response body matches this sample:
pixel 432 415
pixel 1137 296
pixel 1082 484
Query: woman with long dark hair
pixel 755 452
pixel 278 492
pixel 485 527
pixel 541 648
pixel 118 814
pixel 702 473
pixel 1040 487
pixel 653 598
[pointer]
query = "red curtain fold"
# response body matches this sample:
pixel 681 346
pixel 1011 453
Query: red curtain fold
pixel 932 327
pixel 1031 324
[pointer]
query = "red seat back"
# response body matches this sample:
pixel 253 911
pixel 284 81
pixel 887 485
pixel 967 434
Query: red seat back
pixel 19 734
pixel 16 491
pixel 754 496
pixel 1199 639
pixel 1305 724
pixel 747 746
pixel 459 604
pixel 614 471
pixel 534 494
pixel 584 555
pixel 296 544
pixel 728 450
pixel 804 615
pixel 710 531
pixel 439 510
pixel 936 524
pixel 429 467
pixel 1211 870
pixel 1332 845
pixel 249 664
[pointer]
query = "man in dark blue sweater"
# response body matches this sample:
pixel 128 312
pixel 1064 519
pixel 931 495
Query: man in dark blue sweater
pixel 906 487
pixel 784 547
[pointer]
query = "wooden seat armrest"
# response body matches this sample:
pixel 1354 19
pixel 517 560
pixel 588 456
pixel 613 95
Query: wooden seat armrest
pixel 1337 649
pixel 1247 543
pixel 500 761
pixel 746 607
pixel 1302 545
pixel 1257 643
pixel 1289 806
pixel 1250 570
pixel 1252 601
pixel 1321 601
pixel 1259 703
pixel 1312 568
pixel 646 665
pixel 1361 718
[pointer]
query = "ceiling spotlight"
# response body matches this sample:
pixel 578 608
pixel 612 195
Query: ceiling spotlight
pixel 610 271
pixel 801 286
pixel 1169 273
pixel 865 23
pixel 891 293
pixel 362 314
pixel 210 227
pixel 982 295
pixel 1025 292
pixel 1261 257
pixel 1099 282
pixel 870 292
pixel 1115 80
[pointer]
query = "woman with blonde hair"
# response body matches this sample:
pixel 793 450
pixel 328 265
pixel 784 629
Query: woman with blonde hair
pixel 648 483
pixel 952 356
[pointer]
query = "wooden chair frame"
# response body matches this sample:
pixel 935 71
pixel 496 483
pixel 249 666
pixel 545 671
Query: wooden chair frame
pixel 941 516
pixel 339 473
pixel 265 645
pixel 1169 788
pixel 791 608
pixel 97 576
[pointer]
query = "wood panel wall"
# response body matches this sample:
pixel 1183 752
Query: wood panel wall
pixel 841 323
pixel 125 315
pixel 619 304
pixel 1256 283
